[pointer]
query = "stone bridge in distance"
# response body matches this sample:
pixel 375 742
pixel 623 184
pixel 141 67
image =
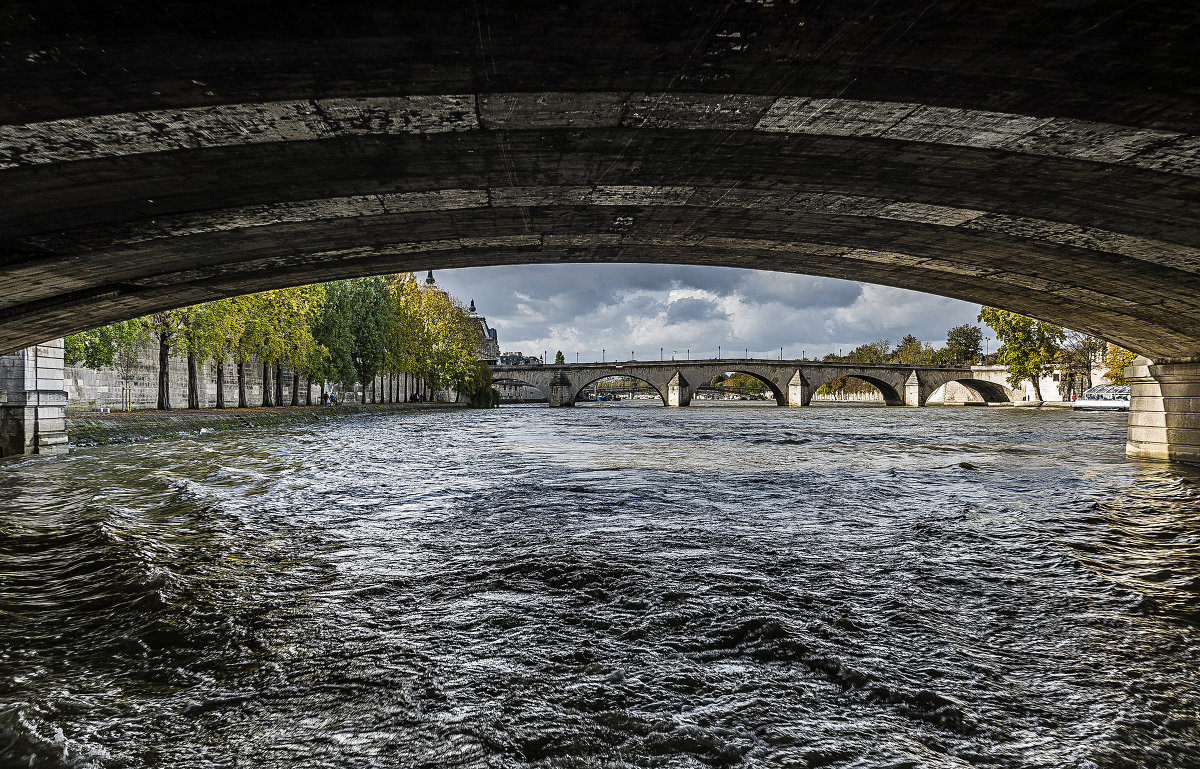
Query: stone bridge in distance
pixel 792 382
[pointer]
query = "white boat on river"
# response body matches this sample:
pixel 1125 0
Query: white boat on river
pixel 1103 398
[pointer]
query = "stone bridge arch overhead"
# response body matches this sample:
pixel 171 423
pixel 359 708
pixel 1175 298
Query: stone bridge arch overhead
pixel 793 137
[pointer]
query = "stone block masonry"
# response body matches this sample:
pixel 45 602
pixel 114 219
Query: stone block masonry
pixel 32 401
pixel 136 387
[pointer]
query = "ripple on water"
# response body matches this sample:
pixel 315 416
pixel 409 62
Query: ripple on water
pixel 605 587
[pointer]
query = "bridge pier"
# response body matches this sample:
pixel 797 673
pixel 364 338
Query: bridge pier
pixel 560 393
pixel 33 401
pixel 679 392
pixel 1164 410
pixel 916 392
pixel 799 393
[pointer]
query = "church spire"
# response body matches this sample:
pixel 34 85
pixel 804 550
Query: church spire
pixel 429 278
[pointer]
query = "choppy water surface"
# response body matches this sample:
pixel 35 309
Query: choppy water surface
pixel 606 586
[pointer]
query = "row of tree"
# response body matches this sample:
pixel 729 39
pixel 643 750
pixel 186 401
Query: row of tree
pixel 1029 348
pixel 345 333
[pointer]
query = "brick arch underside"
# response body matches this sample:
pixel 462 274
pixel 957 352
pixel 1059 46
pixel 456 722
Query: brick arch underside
pixel 1051 166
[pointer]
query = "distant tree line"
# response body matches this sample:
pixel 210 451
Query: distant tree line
pixel 1029 348
pixel 347 332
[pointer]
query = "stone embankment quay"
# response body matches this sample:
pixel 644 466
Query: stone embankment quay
pixel 96 429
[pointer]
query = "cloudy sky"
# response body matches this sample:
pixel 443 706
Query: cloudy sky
pixel 633 308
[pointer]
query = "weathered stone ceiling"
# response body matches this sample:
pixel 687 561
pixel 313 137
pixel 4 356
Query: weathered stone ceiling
pixel 1043 159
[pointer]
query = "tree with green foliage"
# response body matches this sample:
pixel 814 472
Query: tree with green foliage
pixel 912 352
pixel 333 329
pixel 964 345
pixel 870 353
pixel 559 358
pixel 368 302
pixel 1028 347
pixel 437 340
pixel 226 321
pixel 165 326
pixel 100 347
pixel 278 329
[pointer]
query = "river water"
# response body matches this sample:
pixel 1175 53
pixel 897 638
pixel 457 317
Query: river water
pixel 606 586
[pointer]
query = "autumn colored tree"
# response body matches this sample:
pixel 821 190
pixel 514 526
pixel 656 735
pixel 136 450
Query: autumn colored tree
pixel 1117 359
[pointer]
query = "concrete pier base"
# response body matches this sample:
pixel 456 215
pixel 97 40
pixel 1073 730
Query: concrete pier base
pixel 679 392
pixel 1164 410
pixel 798 393
pixel 561 393
pixel 916 391
pixel 33 401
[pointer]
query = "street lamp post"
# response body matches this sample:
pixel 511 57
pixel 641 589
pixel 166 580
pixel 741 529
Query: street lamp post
pixel 601 354
pixel 718 352
pixel 660 354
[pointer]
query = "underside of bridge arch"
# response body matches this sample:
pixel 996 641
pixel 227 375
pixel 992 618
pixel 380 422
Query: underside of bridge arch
pixel 988 392
pixel 521 383
pixel 780 396
pixel 892 395
pixel 162 154
pixel 586 384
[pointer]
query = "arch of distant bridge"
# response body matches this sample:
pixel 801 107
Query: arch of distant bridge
pixel 790 382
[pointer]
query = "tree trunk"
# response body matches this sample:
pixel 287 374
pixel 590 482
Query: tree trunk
pixel 364 393
pixel 307 391
pixel 193 382
pixel 266 383
pixel 241 373
pixel 295 389
pixel 279 384
pixel 164 372
pixel 221 384
pixel 1037 388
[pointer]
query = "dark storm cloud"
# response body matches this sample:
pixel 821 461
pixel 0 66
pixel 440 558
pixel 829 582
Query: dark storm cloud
pixel 692 309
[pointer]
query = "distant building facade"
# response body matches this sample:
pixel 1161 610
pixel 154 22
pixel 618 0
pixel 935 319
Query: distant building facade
pixel 519 359
pixel 489 344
